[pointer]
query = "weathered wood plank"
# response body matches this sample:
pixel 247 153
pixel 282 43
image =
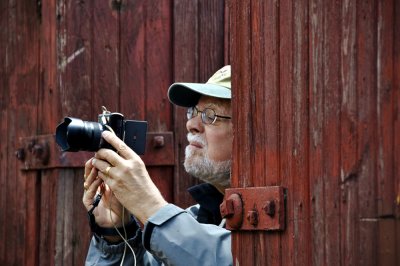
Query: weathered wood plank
pixel 242 174
pixel 265 79
pixel 259 156
pixel 4 109
pixel 286 67
pixel 49 110
pixel 396 126
pixel 366 131
pixel 385 177
pixel 23 42
pixel 158 75
pixel 81 233
pixel 162 177
pixel 73 97
pixel 387 242
pixel 158 59
pixel 227 33
pixel 132 59
pixel 316 125
pixel 210 37
pixel 349 164
pixel 186 68
pixel 49 218
pixel 300 151
pixel 331 130
pixel 105 57
pixel 198 53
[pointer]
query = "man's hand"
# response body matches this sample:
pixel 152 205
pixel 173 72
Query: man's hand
pixel 109 211
pixel 126 175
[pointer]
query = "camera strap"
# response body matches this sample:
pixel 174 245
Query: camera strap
pixel 102 231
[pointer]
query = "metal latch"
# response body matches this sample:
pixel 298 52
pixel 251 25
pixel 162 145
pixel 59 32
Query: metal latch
pixel 254 208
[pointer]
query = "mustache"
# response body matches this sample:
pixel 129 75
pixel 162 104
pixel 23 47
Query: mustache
pixel 196 138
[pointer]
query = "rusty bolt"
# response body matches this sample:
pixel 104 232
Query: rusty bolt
pixel 269 208
pixel 252 217
pixel 20 154
pixel 226 208
pixel 41 152
pixel 232 210
pixel 37 150
pixel 158 142
pixel 30 145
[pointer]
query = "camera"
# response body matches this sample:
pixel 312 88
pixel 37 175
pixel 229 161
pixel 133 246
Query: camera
pixel 74 134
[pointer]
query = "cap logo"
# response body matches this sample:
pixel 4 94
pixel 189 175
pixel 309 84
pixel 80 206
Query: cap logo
pixel 222 77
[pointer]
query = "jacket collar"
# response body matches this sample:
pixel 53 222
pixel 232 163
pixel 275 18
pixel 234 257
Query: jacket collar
pixel 209 199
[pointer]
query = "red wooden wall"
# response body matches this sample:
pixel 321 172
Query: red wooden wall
pixel 316 110
pixel 68 58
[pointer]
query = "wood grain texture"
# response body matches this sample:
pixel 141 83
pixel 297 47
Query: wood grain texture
pixel 316 107
pixel 301 139
pixel 349 164
pixel 265 54
pixel 331 132
pixel 22 42
pixel 396 126
pixel 385 107
pixel 366 132
pixel 243 144
pixel 286 66
pixel 74 94
pixel 337 107
pixel 186 61
pixel 198 51
pixel 4 110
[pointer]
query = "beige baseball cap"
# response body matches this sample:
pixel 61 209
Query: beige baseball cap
pixel 188 94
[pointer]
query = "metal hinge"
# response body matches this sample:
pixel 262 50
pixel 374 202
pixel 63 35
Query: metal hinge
pixel 254 208
pixel 42 152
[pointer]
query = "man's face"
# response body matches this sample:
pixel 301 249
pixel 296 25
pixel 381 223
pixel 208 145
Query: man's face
pixel 208 155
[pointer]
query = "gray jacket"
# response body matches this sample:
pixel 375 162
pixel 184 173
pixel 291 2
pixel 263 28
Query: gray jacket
pixel 172 236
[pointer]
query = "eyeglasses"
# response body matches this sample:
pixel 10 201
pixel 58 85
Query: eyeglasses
pixel 208 115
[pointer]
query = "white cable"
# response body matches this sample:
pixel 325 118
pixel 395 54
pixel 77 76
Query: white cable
pixel 123 238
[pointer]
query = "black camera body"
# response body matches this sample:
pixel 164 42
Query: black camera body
pixel 74 134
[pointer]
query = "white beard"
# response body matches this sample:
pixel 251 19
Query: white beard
pixel 200 166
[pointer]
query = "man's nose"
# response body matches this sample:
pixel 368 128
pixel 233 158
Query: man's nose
pixel 195 124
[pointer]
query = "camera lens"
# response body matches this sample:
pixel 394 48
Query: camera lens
pixel 77 135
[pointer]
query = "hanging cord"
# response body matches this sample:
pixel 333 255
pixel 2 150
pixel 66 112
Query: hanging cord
pixel 98 197
pixel 123 236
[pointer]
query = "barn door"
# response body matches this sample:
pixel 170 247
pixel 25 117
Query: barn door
pixel 69 58
pixel 92 54
pixel 316 96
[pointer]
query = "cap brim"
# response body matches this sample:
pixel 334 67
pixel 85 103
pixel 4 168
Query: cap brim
pixel 188 94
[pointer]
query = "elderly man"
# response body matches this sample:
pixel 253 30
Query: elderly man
pixel 133 223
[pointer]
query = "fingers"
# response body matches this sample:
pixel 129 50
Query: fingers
pixel 91 185
pixel 110 157
pixel 88 168
pixel 119 145
pixel 104 167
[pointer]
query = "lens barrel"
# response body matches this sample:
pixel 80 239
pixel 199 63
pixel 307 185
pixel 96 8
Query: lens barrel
pixel 77 135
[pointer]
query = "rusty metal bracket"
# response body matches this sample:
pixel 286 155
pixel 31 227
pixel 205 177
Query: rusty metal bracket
pixel 42 152
pixel 254 208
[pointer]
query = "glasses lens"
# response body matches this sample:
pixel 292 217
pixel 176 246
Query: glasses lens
pixel 189 113
pixel 208 116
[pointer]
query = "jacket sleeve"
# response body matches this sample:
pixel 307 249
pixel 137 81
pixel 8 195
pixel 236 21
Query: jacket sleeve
pixel 170 237
pixel 176 238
